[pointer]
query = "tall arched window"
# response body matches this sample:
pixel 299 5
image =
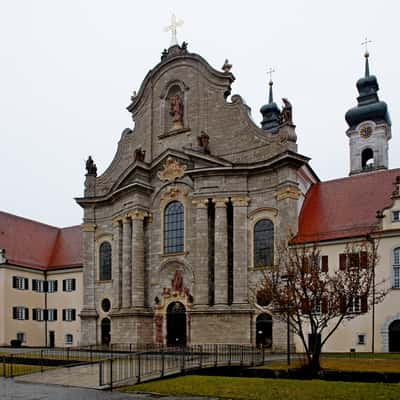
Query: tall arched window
pixel 173 228
pixel 367 158
pixel 105 261
pixel 396 268
pixel 263 243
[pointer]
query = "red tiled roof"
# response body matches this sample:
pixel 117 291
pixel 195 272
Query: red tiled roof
pixel 345 207
pixel 35 245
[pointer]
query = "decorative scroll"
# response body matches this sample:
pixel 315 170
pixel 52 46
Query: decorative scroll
pixel 171 170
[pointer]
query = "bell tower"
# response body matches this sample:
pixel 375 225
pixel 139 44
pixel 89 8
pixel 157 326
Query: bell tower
pixel 369 127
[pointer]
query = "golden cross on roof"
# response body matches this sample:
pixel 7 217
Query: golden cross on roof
pixel 172 28
pixel 270 72
pixel 365 43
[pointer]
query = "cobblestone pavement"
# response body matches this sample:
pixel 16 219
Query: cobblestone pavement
pixel 11 390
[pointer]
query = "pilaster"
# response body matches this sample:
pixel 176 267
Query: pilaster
pixel 117 264
pixel 126 262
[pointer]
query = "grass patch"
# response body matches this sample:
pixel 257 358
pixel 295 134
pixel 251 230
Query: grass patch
pixel 362 355
pixel 340 364
pixel 268 389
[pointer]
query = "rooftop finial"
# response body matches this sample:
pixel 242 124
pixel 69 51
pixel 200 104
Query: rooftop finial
pixel 270 97
pixel 366 55
pixel 172 28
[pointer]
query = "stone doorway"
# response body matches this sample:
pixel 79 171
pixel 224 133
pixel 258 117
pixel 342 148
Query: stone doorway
pixel 105 331
pixel 394 336
pixel 176 324
pixel 264 331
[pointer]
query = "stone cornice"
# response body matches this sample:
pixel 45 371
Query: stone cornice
pixel 88 227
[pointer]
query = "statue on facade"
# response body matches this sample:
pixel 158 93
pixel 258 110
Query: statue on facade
pixel 286 115
pixel 91 167
pixel 139 154
pixel 203 140
pixel 176 111
pixel 177 282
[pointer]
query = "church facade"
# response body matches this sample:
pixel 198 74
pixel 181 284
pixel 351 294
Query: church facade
pixel 180 227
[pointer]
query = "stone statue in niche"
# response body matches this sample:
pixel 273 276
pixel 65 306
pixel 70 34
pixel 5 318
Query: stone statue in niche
pixel 203 140
pixel 286 115
pixel 177 282
pixel 158 321
pixel 176 111
pixel 140 154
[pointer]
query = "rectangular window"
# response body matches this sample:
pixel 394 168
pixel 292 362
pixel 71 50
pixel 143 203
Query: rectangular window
pixel 69 285
pixel 38 285
pixel 396 280
pixel 68 339
pixel 38 314
pixel 52 314
pixel 20 313
pixel 361 339
pixel 18 282
pixel 21 337
pixel 52 286
pixel 355 305
pixel 396 216
pixel 69 314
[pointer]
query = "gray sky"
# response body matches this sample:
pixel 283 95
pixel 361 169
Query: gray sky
pixel 68 69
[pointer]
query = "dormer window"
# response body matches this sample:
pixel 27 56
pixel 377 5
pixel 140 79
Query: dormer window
pixel 396 216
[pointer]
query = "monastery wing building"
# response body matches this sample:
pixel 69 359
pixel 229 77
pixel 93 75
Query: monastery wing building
pixel 179 228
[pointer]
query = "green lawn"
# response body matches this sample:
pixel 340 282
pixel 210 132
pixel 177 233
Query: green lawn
pixel 268 389
pixel 361 355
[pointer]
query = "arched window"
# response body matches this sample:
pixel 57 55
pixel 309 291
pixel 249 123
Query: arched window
pixel 263 243
pixel 367 158
pixel 173 228
pixel 105 261
pixel 396 268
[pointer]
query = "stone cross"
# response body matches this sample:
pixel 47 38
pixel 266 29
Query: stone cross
pixel 172 28
pixel 270 72
pixel 365 43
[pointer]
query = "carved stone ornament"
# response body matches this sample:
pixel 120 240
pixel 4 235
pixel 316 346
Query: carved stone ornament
pixel 171 170
pixel 288 192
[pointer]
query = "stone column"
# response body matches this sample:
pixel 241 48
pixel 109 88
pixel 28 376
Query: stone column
pixel 126 262
pixel 116 264
pixel 201 252
pixel 221 252
pixel 138 257
pixel 240 280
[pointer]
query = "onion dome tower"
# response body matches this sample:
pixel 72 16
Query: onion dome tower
pixel 271 113
pixel 369 127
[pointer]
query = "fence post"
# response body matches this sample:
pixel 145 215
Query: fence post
pixel 201 356
pixel 41 360
pixel 183 362
pixel 138 368
pixel 241 355
pixel 101 373
pixel 162 362
pixel 91 353
pixel 263 355
pixel 215 355
pixel 230 354
pixel 130 347
pixel 253 356
pixel 111 373
pixel 67 353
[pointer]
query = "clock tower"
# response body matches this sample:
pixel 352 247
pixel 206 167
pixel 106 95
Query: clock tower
pixel 369 127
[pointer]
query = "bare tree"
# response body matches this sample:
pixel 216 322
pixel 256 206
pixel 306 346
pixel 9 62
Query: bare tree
pixel 315 298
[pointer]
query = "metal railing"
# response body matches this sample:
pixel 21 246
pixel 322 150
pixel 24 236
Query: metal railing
pixel 154 363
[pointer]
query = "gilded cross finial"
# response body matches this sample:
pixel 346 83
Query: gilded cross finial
pixel 174 24
pixel 365 43
pixel 270 72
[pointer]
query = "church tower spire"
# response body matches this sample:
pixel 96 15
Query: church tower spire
pixel 270 111
pixel 369 126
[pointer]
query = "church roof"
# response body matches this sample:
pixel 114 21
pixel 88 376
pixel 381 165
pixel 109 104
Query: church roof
pixel 346 207
pixel 35 245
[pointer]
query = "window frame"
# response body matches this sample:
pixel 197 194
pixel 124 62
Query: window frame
pixel 271 248
pixel 20 283
pixel 20 313
pixel 179 234
pixel 68 342
pixel 362 342
pixel 69 285
pixel 105 275
pixel 21 336
pixel 69 314
pixel 396 216
pixel 396 268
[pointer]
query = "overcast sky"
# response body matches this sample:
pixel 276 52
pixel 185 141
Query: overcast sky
pixel 68 69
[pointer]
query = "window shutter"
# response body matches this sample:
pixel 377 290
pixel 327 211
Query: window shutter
pixel 14 312
pixel 34 314
pixel 55 286
pixel 324 305
pixel 63 315
pixel 26 313
pixel 73 315
pixel 324 264
pixel 14 282
pixel 45 315
pixel 64 285
pixel 364 259
pixel 34 285
pixel 26 283
pixel 364 303
pixel 55 315
pixel 45 286
pixel 73 284
pixel 342 261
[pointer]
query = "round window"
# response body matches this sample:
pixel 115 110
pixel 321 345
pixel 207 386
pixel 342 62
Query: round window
pixel 105 305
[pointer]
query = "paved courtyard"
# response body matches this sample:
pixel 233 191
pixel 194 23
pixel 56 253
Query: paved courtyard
pixel 12 390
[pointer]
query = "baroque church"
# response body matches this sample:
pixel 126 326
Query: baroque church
pixel 180 227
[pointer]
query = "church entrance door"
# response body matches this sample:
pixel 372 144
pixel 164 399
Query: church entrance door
pixel 264 330
pixel 176 324
pixel 394 336
pixel 105 331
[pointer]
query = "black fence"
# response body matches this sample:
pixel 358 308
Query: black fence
pixel 135 367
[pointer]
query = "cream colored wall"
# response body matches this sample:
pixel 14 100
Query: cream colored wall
pixel 2 308
pixel 34 330
pixel 62 300
pixel 345 337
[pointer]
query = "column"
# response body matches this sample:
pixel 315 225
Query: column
pixel 126 262
pixel 201 252
pixel 89 266
pixel 221 252
pixel 240 248
pixel 138 258
pixel 116 264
